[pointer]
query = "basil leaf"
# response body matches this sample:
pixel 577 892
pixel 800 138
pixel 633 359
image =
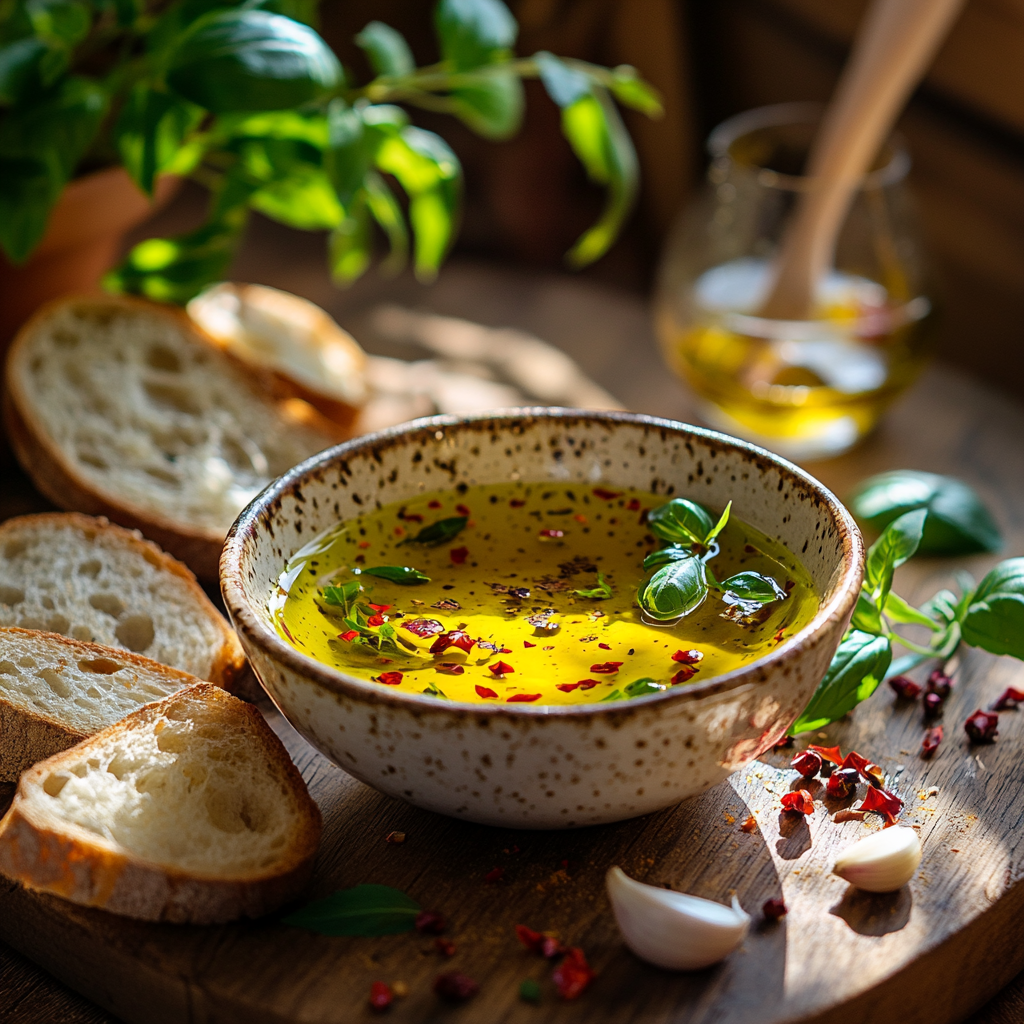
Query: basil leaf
pixel 342 596
pixel 384 209
pixel 957 524
pixel 150 131
pixel 349 156
pixel 642 687
pixel 995 618
pixel 440 532
pixel 867 616
pixel 673 553
pixel 680 521
pixel 614 695
pixel 898 543
pixel 858 667
pixel 674 590
pixel 251 60
pixel 349 246
pixel 397 574
pixel 752 586
pixel 899 611
pixel 719 526
pixel 365 910
pixel 564 83
pixel 20 68
pixel 474 32
pixel 386 50
pixel 433 690
pixel 601 592
pixel 632 91
pixel 493 107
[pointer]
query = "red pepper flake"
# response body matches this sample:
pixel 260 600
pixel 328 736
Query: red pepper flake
pixel 485 691
pixel 494 875
pixel 522 698
pixel 529 938
pixel 455 986
pixel 423 627
pixel 463 510
pixel 587 684
pixel 608 668
pixel 430 922
pixel 517 502
pixel 940 683
pixel 580 517
pixel 1009 700
pixel 445 947
pixel 381 996
pixel 349 635
pixel 364 544
pixel 982 726
pixel 549 534
pixel 434 504
pixel 380 607
pixel 932 704
pixel 847 814
pixel 504 650
pixel 500 668
pixel 684 675
pixel 412 517
pixel 799 801
pixel 567 687
pixel 453 638
pixel 784 744
pixel 634 505
pixel 376 619
pixel 905 688
pixel 458 555
pixel 808 763
pixel 688 657
pixel 604 647
pixel 870 772
pixel 774 909
pixel 884 802
pixel 399 531
pixel 389 678
pixel 750 825
pixel 842 783
pixel 450 668
pixel 931 741
pixel 526 643
pixel 600 492
pixel 395 838
pixel 573 974
pixel 833 754
pixel 779 637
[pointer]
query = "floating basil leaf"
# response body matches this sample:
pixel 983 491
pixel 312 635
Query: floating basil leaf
pixel 995 617
pixel 365 910
pixel 719 526
pixel 856 670
pixel 397 574
pixel 440 532
pixel 614 695
pixel 642 687
pixel 674 590
pixel 681 522
pixel 898 543
pixel 433 690
pixel 601 592
pixel 342 596
pixel 752 586
pixel 673 553
pixel 957 524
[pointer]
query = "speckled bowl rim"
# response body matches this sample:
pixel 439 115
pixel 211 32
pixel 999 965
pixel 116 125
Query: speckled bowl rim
pixel 252 628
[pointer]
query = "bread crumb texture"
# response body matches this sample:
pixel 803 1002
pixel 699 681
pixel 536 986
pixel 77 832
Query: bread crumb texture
pixel 149 413
pixel 98 583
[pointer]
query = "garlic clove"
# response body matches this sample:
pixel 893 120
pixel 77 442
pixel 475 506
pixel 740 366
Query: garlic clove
pixel 671 929
pixel 883 862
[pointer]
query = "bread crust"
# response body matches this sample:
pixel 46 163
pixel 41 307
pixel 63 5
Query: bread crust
pixel 69 861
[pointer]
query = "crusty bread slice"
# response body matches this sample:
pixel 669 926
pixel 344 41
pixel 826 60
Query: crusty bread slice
pixel 188 810
pixel 90 580
pixel 120 407
pixel 55 692
pixel 300 348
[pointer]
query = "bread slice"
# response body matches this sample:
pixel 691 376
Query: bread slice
pixel 55 692
pixel 90 580
pixel 188 810
pixel 120 407
pixel 299 347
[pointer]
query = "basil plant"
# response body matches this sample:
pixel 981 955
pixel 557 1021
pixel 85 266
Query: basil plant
pixel 247 99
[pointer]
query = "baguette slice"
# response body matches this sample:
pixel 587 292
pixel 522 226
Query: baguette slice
pixel 55 692
pixel 188 810
pixel 120 407
pixel 300 348
pixel 90 580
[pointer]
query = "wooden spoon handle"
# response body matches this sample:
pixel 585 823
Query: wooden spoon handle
pixel 895 45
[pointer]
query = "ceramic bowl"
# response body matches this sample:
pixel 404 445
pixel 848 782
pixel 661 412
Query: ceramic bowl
pixel 528 766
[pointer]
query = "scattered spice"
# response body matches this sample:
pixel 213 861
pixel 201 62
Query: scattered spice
pixel 526 643
pixel 400 989
pixel 799 802
pixel 451 668
pixel 932 705
pixel 455 986
pixel 808 763
pixel 607 667
pixel 444 946
pixel 842 783
pixel 529 991
pixel 931 741
pixel 749 825
pixel 848 814
pixel 784 744
pixel 774 909
pixel 544 943
pixel 885 803
pixel 604 647
pixel 434 503
pixel 831 754
pixel 446 604
pixel 463 510
pixel 364 544
pixel 982 726
pixel 600 492
pixel 905 688
pixel 549 534
pixel 522 698
pixel 566 687
pixel 688 657
pixel 494 875
pixel 500 668
pixel 871 773
pixel 940 683
pixel 381 996
pixel 586 684
pixel 458 555
pixel 684 675
pixel 485 692
pixel 430 922
pixel 349 635
pixel 573 974
pixel 634 505
pixel 1009 700
pixel 397 838
pixel 516 502
pixel 389 678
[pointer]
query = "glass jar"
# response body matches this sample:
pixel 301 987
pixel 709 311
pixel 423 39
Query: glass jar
pixel 809 388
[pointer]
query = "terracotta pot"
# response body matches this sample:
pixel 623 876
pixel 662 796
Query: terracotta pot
pixel 81 243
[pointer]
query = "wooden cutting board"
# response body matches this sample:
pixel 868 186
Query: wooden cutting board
pixel 929 953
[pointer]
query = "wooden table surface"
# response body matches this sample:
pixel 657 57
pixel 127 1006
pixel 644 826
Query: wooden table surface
pixel 946 424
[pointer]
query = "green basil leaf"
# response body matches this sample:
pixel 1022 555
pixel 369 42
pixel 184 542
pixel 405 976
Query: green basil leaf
pixel 995 618
pixel 632 91
pixel 440 532
pixel 493 107
pixel 614 695
pixel 150 130
pixel 365 910
pixel 680 521
pixel 942 606
pixel 127 11
pixel 474 32
pixel 433 690
pixel 673 553
pixel 752 586
pixel 384 209
pixel 304 200
pixel 674 590
pixel 601 592
pixel 386 50
pixel 642 687
pixel 349 245
pixel 723 519
pixel 898 543
pixel 342 596
pixel 306 11
pixel 64 22
pixel 349 156
pixel 867 616
pixel 899 611
pixel 20 68
pixel 858 667
pixel 397 574
pixel 251 60
pixel 564 83
pixel 957 524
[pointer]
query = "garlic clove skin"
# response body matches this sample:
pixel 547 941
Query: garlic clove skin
pixel 671 929
pixel 883 862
